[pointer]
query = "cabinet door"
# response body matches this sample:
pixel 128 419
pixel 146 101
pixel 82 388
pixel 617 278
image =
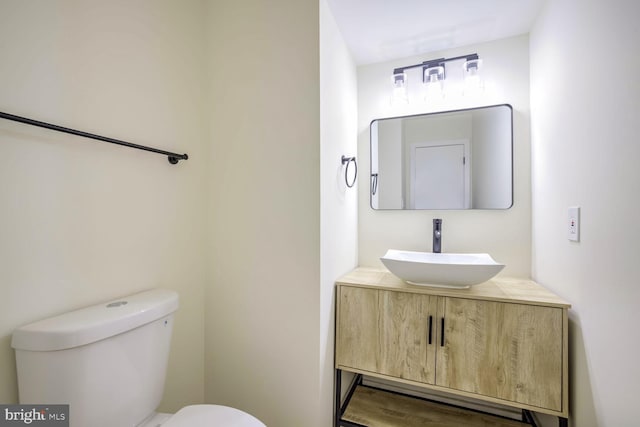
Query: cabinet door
pixel 503 350
pixel 405 351
pixel 387 333
pixel 357 331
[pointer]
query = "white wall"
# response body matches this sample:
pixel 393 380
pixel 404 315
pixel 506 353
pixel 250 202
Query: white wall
pixel 505 234
pixel 585 109
pixel 339 204
pixel 81 221
pixel 263 343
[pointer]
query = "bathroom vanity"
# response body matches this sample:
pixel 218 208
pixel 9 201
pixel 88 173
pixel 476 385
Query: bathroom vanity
pixel 503 341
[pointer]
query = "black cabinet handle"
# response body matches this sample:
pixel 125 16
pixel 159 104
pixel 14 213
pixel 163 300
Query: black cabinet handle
pixel 442 332
pixel 430 328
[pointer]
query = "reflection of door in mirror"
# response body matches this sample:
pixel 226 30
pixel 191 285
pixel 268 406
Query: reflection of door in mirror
pixel 439 175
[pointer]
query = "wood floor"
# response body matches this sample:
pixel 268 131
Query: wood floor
pixel 376 408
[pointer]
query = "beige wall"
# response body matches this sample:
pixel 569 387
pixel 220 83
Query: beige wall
pixel 236 229
pixel 263 302
pixel 81 221
pixel 585 153
pixel 505 234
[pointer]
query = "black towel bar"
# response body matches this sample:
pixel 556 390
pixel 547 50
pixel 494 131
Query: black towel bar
pixel 172 157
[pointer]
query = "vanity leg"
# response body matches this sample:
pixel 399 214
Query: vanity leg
pixel 340 407
pixel 563 422
pixel 338 404
pixel 527 417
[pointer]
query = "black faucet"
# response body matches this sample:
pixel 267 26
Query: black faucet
pixel 437 235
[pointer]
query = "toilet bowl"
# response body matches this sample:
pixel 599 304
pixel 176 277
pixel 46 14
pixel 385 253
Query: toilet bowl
pixel 108 363
pixel 204 416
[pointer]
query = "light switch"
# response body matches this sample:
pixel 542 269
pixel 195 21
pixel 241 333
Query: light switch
pixel 574 224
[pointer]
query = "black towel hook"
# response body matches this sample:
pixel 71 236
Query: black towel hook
pixel 348 161
pixel 374 184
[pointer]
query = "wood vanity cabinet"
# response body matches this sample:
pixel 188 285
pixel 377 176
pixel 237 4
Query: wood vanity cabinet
pixel 504 341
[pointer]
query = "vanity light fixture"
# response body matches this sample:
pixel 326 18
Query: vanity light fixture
pixel 434 75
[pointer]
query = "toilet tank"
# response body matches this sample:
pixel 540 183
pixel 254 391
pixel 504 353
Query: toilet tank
pixel 107 361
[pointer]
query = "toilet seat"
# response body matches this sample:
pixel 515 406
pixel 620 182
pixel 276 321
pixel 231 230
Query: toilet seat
pixel 211 416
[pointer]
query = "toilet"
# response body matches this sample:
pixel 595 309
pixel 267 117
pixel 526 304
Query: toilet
pixel 108 363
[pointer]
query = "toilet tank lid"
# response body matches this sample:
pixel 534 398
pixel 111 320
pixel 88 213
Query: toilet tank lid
pixel 95 323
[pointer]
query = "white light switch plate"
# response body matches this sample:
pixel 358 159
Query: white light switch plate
pixel 573 224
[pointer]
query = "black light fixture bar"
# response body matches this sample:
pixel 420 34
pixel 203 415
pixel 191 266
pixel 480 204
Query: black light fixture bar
pixel 172 157
pixel 435 62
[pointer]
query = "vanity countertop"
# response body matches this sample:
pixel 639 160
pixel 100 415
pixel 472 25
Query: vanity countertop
pixel 504 289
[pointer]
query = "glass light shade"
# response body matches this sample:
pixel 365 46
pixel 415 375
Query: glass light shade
pixel 433 80
pixel 433 74
pixel 473 82
pixel 399 93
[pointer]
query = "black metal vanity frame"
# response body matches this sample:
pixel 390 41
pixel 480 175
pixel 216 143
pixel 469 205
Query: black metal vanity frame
pixel 340 408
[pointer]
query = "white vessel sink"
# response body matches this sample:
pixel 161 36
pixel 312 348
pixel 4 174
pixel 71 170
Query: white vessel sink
pixel 441 270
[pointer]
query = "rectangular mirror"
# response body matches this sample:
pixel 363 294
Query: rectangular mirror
pixel 459 159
